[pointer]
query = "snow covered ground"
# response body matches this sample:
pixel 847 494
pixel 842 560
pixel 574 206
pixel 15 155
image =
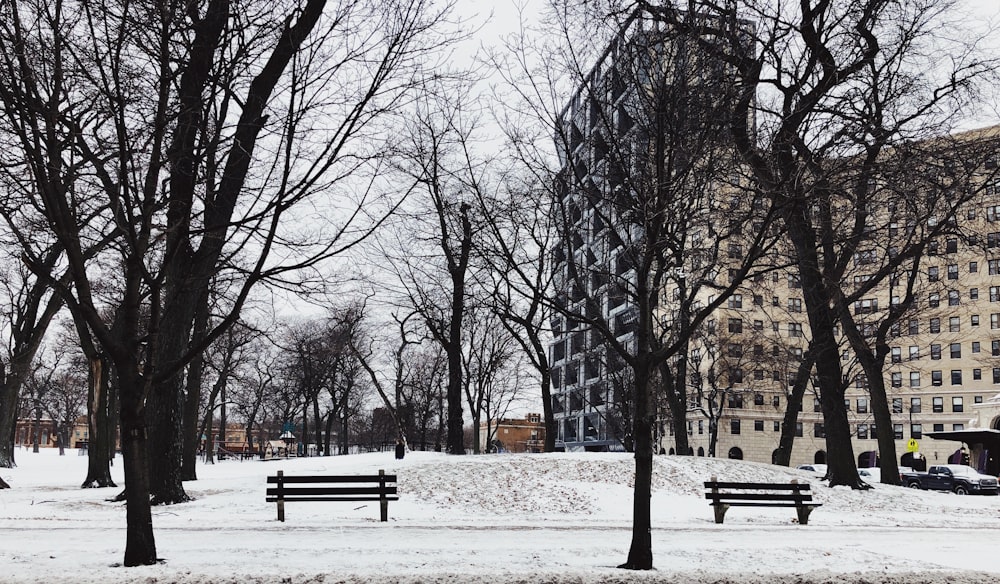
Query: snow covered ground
pixel 559 518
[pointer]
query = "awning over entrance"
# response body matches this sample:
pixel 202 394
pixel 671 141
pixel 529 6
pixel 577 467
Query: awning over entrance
pixel 984 444
pixel 988 438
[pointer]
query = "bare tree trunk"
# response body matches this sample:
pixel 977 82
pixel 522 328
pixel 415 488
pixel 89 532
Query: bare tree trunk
pixel 101 443
pixel 640 553
pixel 140 546
pixel 793 406
pixel 8 418
pixel 191 433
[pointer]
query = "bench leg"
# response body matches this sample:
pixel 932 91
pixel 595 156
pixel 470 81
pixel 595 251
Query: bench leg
pixel 281 509
pixel 720 512
pixel 384 507
pixel 803 513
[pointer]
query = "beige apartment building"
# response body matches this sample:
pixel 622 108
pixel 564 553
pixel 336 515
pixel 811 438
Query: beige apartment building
pixel 942 374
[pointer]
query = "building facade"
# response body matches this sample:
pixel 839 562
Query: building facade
pixel 942 373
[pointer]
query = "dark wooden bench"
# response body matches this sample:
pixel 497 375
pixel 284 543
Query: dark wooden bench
pixel 724 495
pixel 288 489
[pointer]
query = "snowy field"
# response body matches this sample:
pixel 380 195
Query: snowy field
pixel 550 518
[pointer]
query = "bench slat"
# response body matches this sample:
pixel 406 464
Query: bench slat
pixel 750 504
pixel 274 499
pixel 288 479
pixel 760 496
pixel 758 486
pixel 332 491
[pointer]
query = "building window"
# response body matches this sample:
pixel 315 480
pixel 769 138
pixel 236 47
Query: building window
pixel 996 375
pixel 916 431
pixel 935 325
pixel 957 427
pixel 954 324
pixel 794 329
pixel 995 320
pixel 956 377
pixel 897 405
pixel 818 430
pixel 735 325
pixel 953 298
pixel 936 377
pixel 862 431
pixel 758 425
pixel 951 245
pixel 758 399
pixel 734 426
pixel 973 293
pixel 758 325
pixel 977 374
pixel 896 355
pixel 957 404
pixel 915 405
pixel 777 426
pixel 933 300
pixel 974 320
pixel 897 379
pixel 935 352
pixel 952 271
pixel 914 379
pixel 735 375
pixel 862 405
pixel 736 301
pixel 866 306
pixel 995 348
pixel 977 399
pixel 956 350
pixel 994 293
pixel 897 431
pixel 973 267
pixel 937 405
pixel 975 346
pixel 933 274
pixel 994 267
pixel 913 327
pixel 914 353
pixel 794 305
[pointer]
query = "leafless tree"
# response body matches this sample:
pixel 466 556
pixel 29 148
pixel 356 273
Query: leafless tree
pixel 646 194
pixel 193 125
pixel 833 97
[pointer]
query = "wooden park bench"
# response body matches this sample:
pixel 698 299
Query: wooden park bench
pixel 288 489
pixel 794 494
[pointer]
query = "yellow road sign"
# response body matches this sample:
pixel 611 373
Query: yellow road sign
pixel 912 445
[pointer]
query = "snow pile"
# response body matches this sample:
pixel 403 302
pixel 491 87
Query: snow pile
pixel 500 518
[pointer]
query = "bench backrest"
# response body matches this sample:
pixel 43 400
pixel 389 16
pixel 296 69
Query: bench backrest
pixel 298 486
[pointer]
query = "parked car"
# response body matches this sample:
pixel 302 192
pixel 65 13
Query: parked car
pixel 958 478
pixel 819 469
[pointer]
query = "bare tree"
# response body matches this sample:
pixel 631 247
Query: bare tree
pixel 830 96
pixel 30 309
pixel 646 194
pixel 213 89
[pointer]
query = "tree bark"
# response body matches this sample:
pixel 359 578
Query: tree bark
pixel 640 554
pixel 100 430
pixel 793 405
pixel 140 546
